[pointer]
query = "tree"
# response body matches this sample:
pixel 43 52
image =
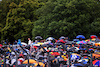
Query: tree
pixel 66 17
pixel 20 19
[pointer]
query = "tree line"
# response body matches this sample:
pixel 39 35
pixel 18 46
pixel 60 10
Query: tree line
pixel 29 18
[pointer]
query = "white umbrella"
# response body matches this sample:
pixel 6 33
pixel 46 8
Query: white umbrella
pixel 23 43
pixel 13 61
pixel 36 44
pixel 49 39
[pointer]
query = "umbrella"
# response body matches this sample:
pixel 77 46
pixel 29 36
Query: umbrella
pixel 61 41
pixel 96 55
pixel 40 63
pixel 30 61
pixel 38 37
pixel 62 37
pixel 84 61
pixel 93 39
pixel 36 44
pixel 79 64
pixel 75 56
pixel 21 59
pixel 49 39
pixel 1 45
pixel 91 49
pixel 13 61
pixel 96 62
pixel 55 53
pixel 97 44
pixel 80 36
pixel 93 36
pixel 21 55
pixel 75 40
pixel 81 42
pixel 23 43
pixel 40 43
pixel 35 47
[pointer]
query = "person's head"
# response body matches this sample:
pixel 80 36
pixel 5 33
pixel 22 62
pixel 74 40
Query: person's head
pixel 28 38
pixel 15 40
pixel 66 38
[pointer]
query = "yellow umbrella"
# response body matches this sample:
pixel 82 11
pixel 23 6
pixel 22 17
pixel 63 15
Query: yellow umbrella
pixel 40 43
pixel 93 39
pixel 30 61
pixel 40 63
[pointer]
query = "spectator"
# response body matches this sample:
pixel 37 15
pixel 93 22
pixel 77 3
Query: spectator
pixel 15 42
pixel 29 41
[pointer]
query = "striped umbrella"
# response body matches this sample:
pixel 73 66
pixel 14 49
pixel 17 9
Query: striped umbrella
pixel 97 63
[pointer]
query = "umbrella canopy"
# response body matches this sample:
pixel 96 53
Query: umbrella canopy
pixel 40 63
pixel 49 39
pixel 81 42
pixel 40 43
pixel 93 36
pixel 84 61
pixel 75 40
pixel 75 56
pixel 96 62
pixel 62 37
pixel 13 61
pixel 21 59
pixel 38 37
pixel 30 61
pixel 61 41
pixel 23 43
pixel 36 44
pixel 96 55
pixel 97 44
pixel 79 64
pixel 1 45
pixel 55 53
pixel 80 36
pixel 21 55
pixel 93 39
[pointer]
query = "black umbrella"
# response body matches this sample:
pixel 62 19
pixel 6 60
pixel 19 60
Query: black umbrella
pixel 38 37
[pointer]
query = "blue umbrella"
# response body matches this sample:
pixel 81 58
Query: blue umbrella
pixel 80 36
pixel 75 56
pixel 96 62
pixel 79 64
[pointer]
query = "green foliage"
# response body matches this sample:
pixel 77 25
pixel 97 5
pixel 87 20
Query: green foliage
pixel 66 17
pixel 20 18
pixel 29 18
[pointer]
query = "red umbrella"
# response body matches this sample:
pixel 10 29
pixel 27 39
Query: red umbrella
pixel 1 45
pixel 93 36
pixel 21 55
pixel 55 53
pixel 62 41
pixel 35 47
pixel 96 62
